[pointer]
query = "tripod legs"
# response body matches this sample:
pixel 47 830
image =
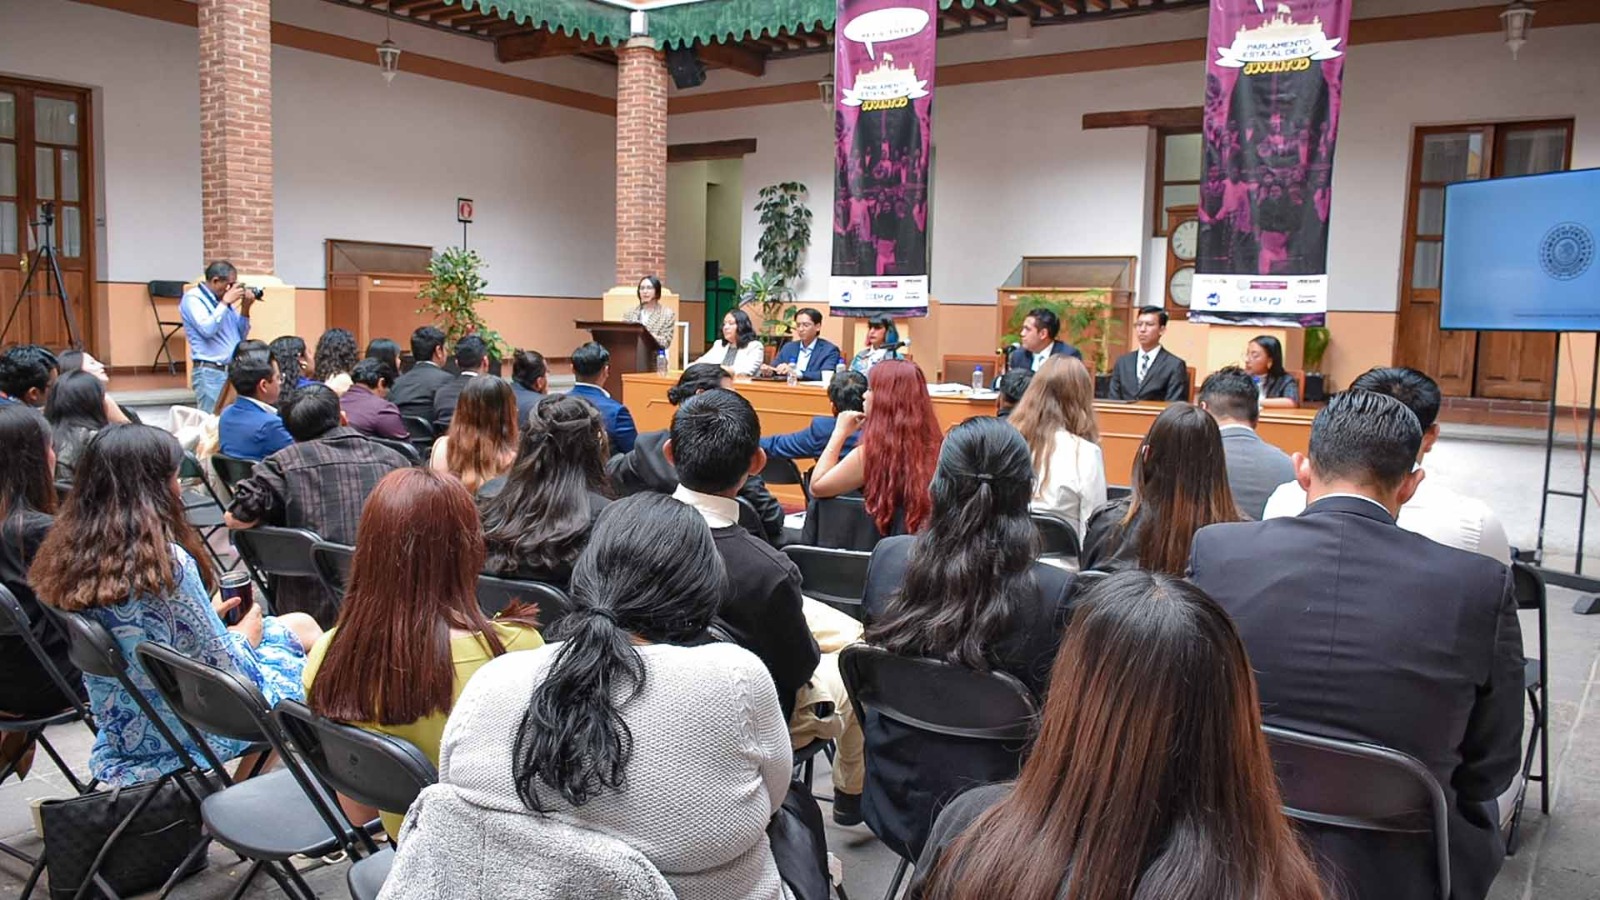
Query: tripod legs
pixel 54 283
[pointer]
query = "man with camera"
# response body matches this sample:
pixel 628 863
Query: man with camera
pixel 216 317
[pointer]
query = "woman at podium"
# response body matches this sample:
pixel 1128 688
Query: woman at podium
pixel 657 319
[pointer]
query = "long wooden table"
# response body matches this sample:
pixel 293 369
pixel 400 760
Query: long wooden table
pixel 784 409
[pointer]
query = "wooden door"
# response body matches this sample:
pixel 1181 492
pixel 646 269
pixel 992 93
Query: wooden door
pixel 44 159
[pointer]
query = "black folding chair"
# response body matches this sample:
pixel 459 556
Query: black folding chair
pixel 1057 537
pixel 840 522
pixel 937 697
pixel 404 448
pixel 377 770
pixel 203 508
pixel 1530 592
pixel 231 470
pixel 273 550
pixel 268 818
pixel 422 433
pixel 332 562
pixel 167 328
pixel 750 520
pixel 495 594
pixel 835 577
pixel 782 470
pixel 1363 787
pixel 1117 492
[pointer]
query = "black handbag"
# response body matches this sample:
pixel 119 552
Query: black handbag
pixel 138 855
pixel 799 846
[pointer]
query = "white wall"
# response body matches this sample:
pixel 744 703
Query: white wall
pixel 686 230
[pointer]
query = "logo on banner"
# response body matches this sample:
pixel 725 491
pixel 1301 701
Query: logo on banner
pixel 1279 44
pixel 887 86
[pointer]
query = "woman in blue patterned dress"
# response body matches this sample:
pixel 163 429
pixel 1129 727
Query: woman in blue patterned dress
pixel 122 553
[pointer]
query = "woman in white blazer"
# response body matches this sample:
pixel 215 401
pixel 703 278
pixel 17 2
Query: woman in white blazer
pixel 739 350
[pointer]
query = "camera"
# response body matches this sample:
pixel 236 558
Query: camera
pixel 254 293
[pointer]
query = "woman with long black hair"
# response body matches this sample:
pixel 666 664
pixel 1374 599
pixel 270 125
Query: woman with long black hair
pixel 738 350
pixel 1263 359
pixel 76 410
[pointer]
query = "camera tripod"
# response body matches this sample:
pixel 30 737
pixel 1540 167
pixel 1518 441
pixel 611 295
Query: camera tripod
pixel 44 256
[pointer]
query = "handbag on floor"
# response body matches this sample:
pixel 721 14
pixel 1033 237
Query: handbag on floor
pixel 799 846
pixel 139 855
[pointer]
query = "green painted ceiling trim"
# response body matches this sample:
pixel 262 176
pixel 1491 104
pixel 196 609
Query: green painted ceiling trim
pixel 730 21
pixel 583 19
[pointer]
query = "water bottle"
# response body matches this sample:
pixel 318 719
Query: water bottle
pixel 977 378
pixel 661 362
pixel 794 377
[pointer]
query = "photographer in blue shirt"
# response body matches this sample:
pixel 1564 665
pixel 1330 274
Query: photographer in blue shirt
pixel 216 317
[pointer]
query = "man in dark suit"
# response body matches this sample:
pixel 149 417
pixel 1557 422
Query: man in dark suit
pixel 1361 630
pixel 808 355
pixel 1038 341
pixel 472 359
pixel 529 381
pixel 591 363
pixel 1150 372
pixel 413 392
pixel 1255 467
pixel 846 392
pixel 250 428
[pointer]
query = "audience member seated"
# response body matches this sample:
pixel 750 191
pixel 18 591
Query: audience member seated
pixel 318 483
pixel 1263 361
pixel 1255 467
pixel 250 427
pixel 122 553
pixel 1375 634
pixel 472 358
pixel 1056 418
pixel 386 350
pixel 27 501
pixel 969 591
pixel 366 403
pixel 529 381
pixel 591 366
pixel 1180 485
pixel 537 517
pixel 289 351
pixel 646 467
pixel 1434 510
pixel 79 361
pixel 808 354
pixel 739 350
pixel 1009 390
pixel 846 393
pixel 413 391
pixel 883 342
pixel 410 632
pixel 716 445
pixel 76 410
pixel 1151 372
pixel 899 446
pixel 27 372
pixel 335 357
pixel 482 439
pixel 1150 776
pixel 629 726
pixel 1038 341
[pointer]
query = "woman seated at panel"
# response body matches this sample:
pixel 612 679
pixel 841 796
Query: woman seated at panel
pixel 1056 418
pixel 881 333
pixel 1150 776
pixel 656 318
pixel 1263 359
pixel 627 725
pixel 537 517
pixel 1180 485
pixel 893 462
pixel 335 357
pixel 76 410
pixel 481 442
pixel 156 586
pixel 410 633
pixel 739 350
pixel 969 591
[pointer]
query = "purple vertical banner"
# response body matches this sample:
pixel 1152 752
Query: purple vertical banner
pixel 883 143
pixel 1274 73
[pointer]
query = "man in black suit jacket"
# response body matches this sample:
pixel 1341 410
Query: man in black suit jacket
pixel 1150 372
pixel 472 358
pixel 413 392
pixel 1039 330
pixel 1360 630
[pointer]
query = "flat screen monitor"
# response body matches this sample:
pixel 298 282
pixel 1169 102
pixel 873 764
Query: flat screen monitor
pixel 1522 254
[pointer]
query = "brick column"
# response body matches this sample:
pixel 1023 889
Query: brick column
pixel 236 132
pixel 641 162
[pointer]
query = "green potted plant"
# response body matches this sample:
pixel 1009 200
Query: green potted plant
pixel 452 293
pixel 772 297
pixel 1317 340
pixel 785 237
pixel 1086 323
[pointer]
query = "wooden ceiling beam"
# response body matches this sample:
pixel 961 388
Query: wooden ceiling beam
pixel 734 56
pixel 537 45
pixel 1173 118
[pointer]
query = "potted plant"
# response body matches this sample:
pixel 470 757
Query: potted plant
pixel 785 236
pixel 452 294
pixel 1317 340
pixel 1086 323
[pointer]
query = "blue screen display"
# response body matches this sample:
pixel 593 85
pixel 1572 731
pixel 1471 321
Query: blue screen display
pixel 1522 254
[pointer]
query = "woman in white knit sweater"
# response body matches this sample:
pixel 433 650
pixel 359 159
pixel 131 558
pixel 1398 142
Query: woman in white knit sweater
pixel 624 729
pixel 1056 418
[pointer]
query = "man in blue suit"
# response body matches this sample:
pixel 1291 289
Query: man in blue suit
pixel 847 393
pixel 251 428
pixel 591 363
pixel 1039 330
pixel 808 355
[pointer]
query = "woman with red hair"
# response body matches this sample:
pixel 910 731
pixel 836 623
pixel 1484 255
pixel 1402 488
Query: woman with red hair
pixel 894 461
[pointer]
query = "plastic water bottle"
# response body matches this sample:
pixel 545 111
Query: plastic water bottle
pixel 661 362
pixel 977 378
pixel 794 377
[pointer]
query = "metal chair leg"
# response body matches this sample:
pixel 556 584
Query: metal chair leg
pixel 899 875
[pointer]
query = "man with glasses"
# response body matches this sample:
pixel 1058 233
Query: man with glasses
pixel 216 317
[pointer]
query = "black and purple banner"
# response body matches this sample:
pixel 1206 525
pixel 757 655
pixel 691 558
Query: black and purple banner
pixel 1274 71
pixel 883 119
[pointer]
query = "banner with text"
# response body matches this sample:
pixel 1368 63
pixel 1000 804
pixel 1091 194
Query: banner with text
pixel 883 116
pixel 1274 71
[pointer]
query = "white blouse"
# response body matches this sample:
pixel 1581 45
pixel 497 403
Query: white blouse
pixel 745 362
pixel 1076 486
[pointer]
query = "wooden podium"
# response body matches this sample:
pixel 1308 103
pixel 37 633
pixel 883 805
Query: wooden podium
pixel 632 347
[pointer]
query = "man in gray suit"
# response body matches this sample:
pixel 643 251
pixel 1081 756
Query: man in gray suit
pixel 1255 467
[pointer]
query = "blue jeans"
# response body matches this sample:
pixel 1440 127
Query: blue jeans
pixel 208 384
